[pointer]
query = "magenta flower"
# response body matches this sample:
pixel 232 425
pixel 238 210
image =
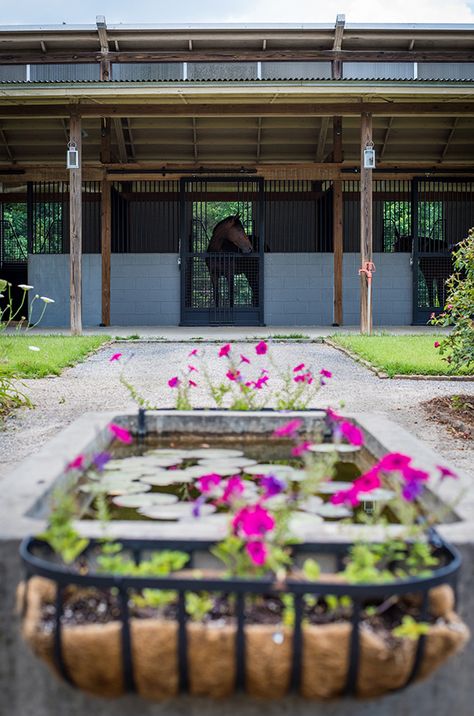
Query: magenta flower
pixel 272 485
pixel 257 552
pixel 346 497
pixel 174 382
pixel 411 490
pixel 325 373
pixel 436 344
pixel 367 482
pixel 234 487
pixel 101 459
pixel 207 482
pixel 446 472
pixel 121 434
pixel 289 429
pixel 192 384
pixel 243 359
pixel 353 435
pixel 332 415
pixel 410 474
pixel 253 521
pixel 304 378
pixel 115 357
pixel 394 461
pixel 225 350
pixel 261 348
pixel 76 464
pixel 297 368
pixel 192 369
pixel 233 374
pixel 300 449
pixel 194 352
pixel 258 385
pixel 449 307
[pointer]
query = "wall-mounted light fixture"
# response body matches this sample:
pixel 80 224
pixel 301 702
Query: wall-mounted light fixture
pixel 72 156
pixel 369 156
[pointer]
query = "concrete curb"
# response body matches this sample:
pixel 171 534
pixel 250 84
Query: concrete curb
pixel 381 374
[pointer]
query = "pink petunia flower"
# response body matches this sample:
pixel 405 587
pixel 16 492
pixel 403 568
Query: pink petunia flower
pixel 393 461
pixel 367 482
pixel 115 357
pixel 258 385
pixel 325 373
pixel 332 415
pixel 243 359
pixel 436 344
pixel 122 434
pixel 353 435
pixel 192 369
pixel 192 384
pixel 261 348
pixel 174 382
pixel 289 429
pixel 411 474
pixel 253 521
pixel 446 472
pixel 304 378
pixel 76 464
pixel 300 449
pixel 234 487
pixel 207 482
pixel 225 350
pixel 233 374
pixel 346 497
pixel 194 352
pixel 297 368
pixel 257 551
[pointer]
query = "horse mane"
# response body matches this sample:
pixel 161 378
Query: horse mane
pixel 221 223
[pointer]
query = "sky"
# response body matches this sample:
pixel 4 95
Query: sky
pixel 33 12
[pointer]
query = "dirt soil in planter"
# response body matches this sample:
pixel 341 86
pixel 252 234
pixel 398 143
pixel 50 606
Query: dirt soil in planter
pixel 456 412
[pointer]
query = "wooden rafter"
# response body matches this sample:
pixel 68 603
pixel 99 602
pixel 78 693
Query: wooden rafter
pixel 385 138
pixel 102 32
pixel 120 137
pixel 336 66
pixel 195 144
pixel 43 46
pixel 129 145
pixel 323 134
pixel 65 129
pixel 448 140
pixel 5 143
pixel 259 138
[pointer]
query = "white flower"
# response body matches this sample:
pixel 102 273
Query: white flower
pixel 46 299
pixel 1 295
pixel 34 348
pixel 25 286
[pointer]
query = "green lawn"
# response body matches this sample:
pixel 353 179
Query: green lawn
pixel 399 355
pixel 55 353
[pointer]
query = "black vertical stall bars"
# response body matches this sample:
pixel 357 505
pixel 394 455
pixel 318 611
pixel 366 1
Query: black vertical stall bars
pixel 39 560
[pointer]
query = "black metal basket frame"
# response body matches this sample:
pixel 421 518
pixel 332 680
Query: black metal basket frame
pixel 36 565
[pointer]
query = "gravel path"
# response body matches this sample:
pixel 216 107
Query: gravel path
pixel 94 385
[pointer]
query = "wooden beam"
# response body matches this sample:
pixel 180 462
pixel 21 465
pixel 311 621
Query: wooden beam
pixel 106 247
pixel 119 135
pixel 442 108
pixel 225 55
pixel 195 146
pixel 448 140
pixel 5 143
pixel 365 223
pixel 105 141
pixel 129 145
pixel 385 138
pixel 259 138
pixel 337 154
pixel 102 32
pixel 337 46
pixel 323 133
pixel 338 248
pixel 75 229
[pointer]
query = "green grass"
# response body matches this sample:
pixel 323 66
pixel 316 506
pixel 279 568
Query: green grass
pixel 399 355
pixel 55 354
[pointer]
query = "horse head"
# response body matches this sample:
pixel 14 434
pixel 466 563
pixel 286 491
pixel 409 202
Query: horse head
pixel 230 230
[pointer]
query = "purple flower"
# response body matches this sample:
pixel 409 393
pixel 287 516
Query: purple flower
pixel 272 485
pixel 101 459
pixel 196 511
pixel 411 490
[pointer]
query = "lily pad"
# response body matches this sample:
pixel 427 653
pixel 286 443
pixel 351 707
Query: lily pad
pixel 267 469
pixel 312 504
pixel 144 499
pixel 179 511
pixel 304 520
pixel 237 462
pixel 330 487
pixel 168 477
pixel 334 447
pixel 214 453
pixel 333 512
pixel 378 495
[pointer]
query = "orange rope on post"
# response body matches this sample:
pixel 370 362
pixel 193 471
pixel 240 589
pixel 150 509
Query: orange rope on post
pixel 368 268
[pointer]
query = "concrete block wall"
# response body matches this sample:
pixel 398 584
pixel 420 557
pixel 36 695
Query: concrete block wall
pixel 298 291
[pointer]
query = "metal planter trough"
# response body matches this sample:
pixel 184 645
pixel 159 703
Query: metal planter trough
pixel 241 645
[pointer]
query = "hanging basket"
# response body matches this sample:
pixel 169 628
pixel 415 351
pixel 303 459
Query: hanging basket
pixel 159 658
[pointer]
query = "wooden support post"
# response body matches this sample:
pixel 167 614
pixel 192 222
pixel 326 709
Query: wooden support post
pixel 365 224
pixel 75 229
pixel 106 242
pixel 105 143
pixel 337 212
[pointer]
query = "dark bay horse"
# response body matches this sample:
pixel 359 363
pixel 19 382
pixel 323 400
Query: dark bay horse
pixel 228 242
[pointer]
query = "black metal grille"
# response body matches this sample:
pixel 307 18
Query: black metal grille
pixel 50 217
pixel 225 287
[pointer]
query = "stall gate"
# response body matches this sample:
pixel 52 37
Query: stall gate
pixel 221 284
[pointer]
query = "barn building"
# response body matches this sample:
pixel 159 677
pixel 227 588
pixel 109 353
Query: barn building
pixel 176 128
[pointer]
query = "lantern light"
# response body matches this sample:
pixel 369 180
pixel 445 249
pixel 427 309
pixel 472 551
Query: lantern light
pixel 72 156
pixel 369 156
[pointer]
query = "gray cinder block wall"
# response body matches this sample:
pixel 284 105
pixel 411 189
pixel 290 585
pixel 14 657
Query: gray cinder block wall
pixel 298 289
